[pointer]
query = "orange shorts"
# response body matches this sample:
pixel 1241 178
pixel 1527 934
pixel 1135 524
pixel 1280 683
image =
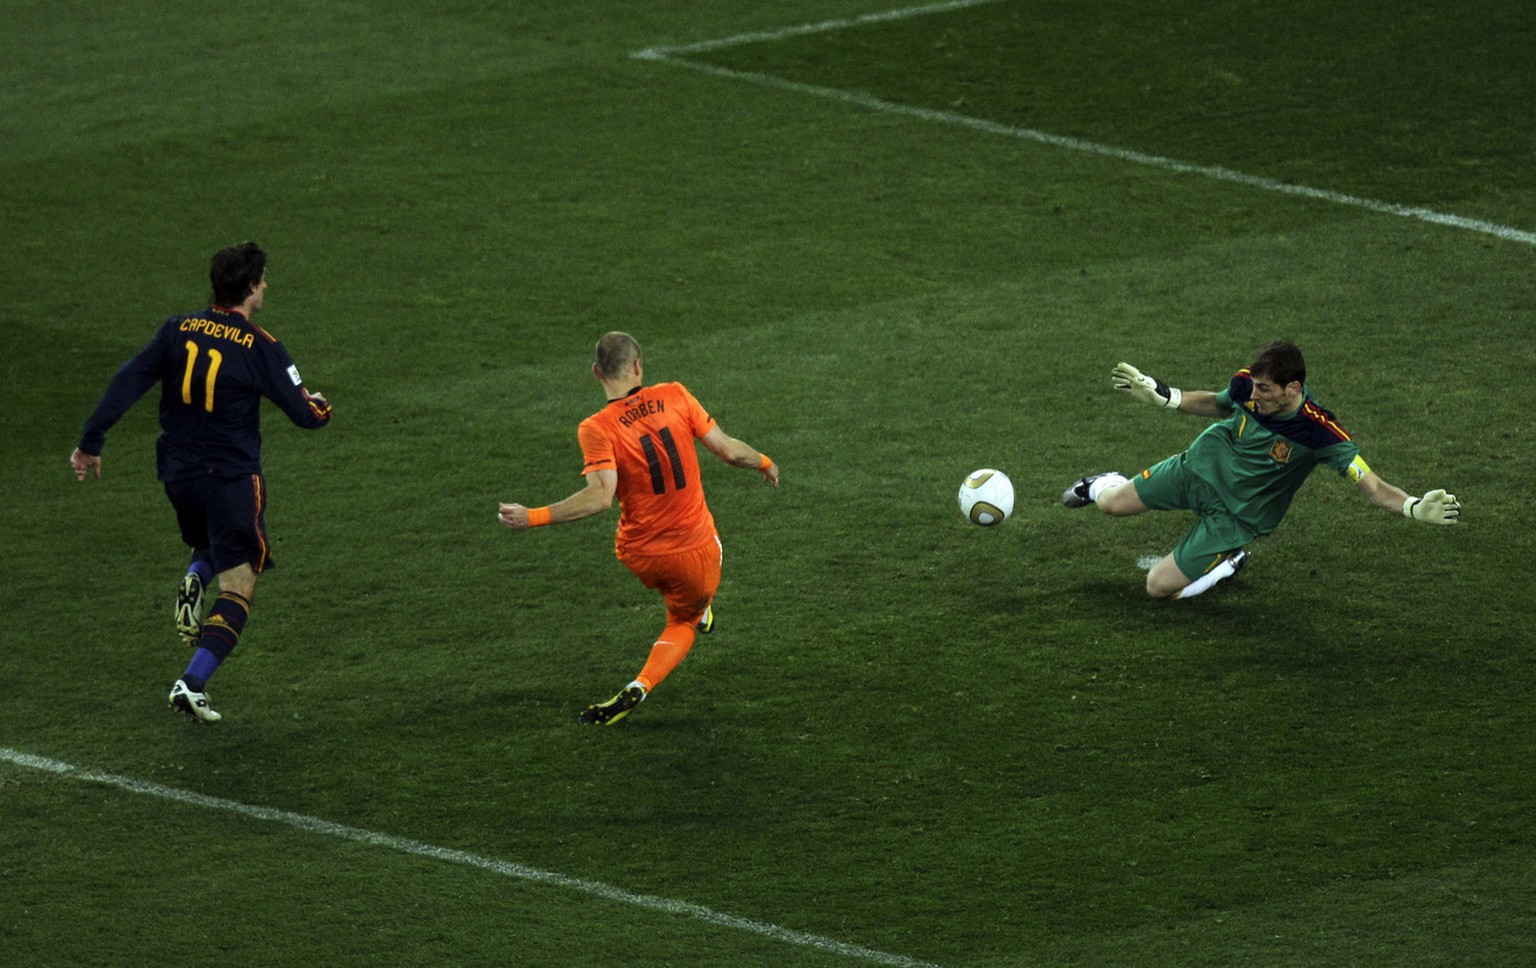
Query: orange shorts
pixel 687 580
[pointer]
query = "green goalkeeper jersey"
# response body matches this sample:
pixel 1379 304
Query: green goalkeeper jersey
pixel 1257 462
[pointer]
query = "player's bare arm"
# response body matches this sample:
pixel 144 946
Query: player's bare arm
pixel 597 496
pixel 1386 496
pixel 1201 403
pixel 738 453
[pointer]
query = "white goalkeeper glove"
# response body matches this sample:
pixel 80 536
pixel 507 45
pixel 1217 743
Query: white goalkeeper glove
pixel 1144 388
pixel 1435 507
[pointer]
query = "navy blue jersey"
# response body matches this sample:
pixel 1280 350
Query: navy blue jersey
pixel 213 368
pixel 1311 426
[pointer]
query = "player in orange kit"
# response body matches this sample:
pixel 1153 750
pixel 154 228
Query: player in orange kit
pixel 639 448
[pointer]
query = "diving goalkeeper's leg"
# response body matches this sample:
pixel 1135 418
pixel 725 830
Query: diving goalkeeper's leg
pixel 1087 490
pixel 1167 579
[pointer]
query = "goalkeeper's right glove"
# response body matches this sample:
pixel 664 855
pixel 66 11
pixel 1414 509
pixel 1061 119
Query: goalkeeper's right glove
pixel 1144 388
pixel 1435 507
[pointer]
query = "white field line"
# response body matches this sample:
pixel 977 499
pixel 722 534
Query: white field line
pixel 664 53
pixel 677 56
pixel 326 828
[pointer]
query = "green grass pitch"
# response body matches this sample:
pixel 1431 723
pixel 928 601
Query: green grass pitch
pixel 910 740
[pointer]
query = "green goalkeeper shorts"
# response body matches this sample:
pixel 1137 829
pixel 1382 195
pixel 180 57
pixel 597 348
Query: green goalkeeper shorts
pixel 1169 486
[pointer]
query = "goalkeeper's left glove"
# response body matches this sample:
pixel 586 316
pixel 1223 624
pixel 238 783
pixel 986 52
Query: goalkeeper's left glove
pixel 1435 507
pixel 1145 388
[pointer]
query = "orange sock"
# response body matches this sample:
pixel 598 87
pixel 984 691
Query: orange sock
pixel 668 651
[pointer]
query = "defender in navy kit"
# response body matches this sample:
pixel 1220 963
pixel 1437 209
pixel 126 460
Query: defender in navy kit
pixel 213 367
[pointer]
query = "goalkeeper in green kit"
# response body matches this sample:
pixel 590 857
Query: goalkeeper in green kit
pixel 1240 474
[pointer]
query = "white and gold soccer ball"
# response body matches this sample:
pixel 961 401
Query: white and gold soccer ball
pixel 986 497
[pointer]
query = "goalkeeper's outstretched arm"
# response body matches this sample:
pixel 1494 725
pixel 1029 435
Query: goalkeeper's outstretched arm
pixel 1435 507
pixel 1151 390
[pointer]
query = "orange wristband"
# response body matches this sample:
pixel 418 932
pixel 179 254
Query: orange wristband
pixel 765 463
pixel 537 517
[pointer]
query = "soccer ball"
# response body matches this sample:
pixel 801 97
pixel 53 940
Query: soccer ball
pixel 986 497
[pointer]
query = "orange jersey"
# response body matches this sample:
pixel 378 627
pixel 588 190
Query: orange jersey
pixel 647 437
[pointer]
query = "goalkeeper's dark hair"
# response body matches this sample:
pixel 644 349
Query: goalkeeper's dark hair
pixel 236 271
pixel 1280 362
pixel 615 352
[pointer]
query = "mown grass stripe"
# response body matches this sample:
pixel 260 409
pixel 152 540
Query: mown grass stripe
pixel 677 55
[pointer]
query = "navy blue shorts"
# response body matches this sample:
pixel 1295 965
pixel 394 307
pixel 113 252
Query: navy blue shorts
pixel 224 515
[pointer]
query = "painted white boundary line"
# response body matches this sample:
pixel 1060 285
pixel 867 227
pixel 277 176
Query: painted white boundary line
pixel 661 53
pixel 326 828
pixel 677 56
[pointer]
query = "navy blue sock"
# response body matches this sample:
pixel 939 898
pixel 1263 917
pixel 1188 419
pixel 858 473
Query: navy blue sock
pixel 221 633
pixel 201 566
pixel 200 669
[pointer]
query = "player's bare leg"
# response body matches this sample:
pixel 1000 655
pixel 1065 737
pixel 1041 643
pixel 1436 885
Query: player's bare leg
pixel 1165 579
pixel 1119 499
